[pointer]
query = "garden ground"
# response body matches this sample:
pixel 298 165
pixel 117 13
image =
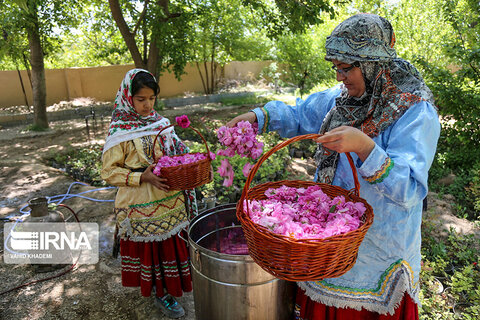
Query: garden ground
pixel 95 291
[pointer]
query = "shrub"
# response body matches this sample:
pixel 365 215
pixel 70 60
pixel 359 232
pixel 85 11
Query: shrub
pixel 458 99
pixel 272 169
pixel 82 164
pixel 453 260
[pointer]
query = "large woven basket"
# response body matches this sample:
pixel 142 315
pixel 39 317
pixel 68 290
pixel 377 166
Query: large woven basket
pixel 187 176
pixel 304 259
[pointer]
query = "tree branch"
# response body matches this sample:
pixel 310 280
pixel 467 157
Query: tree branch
pixel 166 11
pixel 142 16
pixel 126 34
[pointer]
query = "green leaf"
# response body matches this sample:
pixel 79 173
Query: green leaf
pixel 332 209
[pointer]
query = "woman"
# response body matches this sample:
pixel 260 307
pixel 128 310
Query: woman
pixel 383 114
pixel 149 215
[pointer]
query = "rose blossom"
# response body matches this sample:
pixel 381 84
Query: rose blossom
pixel 183 121
pixel 241 140
pixel 305 213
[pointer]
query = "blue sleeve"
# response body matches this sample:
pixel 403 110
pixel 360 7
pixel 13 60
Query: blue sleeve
pixel 398 165
pixel 303 118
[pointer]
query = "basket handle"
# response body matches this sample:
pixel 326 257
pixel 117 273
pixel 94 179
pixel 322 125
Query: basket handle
pixel 285 143
pixel 198 132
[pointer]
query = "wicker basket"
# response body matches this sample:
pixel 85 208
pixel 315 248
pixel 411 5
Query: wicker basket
pixel 304 259
pixel 187 176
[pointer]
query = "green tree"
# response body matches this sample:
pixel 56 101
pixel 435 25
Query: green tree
pixel 13 45
pixel 304 56
pixel 464 48
pixel 34 22
pixel 160 34
pixel 225 26
pixel 157 36
pixel 224 31
pixel 283 16
pixel 95 42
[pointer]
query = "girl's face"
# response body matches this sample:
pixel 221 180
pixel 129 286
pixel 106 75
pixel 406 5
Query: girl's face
pixel 352 78
pixel 143 101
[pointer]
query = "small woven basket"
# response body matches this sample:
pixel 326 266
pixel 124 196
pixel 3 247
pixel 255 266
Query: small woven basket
pixel 190 175
pixel 301 259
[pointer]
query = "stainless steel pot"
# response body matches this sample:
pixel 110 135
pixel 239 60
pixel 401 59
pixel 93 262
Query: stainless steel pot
pixel 229 286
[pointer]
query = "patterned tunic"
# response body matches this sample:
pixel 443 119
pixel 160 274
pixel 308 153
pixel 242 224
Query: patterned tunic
pixel 144 213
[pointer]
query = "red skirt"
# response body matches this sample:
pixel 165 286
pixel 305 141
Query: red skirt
pixel 305 308
pixel 163 264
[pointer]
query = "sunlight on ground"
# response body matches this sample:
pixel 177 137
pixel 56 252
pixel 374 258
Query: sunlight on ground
pixel 56 293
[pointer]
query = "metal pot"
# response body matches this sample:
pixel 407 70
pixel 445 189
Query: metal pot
pixel 230 286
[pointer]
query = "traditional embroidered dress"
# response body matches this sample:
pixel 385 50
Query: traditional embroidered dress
pixel 148 219
pixel 396 111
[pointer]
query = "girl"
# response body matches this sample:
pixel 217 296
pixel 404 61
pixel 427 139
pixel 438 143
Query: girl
pixel 149 215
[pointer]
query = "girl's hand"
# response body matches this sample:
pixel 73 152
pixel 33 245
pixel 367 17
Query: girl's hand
pixel 347 139
pixel 149 177
pixel 248 116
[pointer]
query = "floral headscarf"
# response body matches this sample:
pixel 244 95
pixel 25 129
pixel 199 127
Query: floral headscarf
pixel 392 84
pixel 126 123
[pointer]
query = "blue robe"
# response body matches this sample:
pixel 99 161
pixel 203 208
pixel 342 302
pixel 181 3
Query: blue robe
pixel 393 180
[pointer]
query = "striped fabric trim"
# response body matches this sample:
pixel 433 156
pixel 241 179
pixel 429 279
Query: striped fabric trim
pixel 296 312
pixel 129 268
pixel 382 173
pixel 130 264
pixel 266 115
pixel 146 273
pixel 169 271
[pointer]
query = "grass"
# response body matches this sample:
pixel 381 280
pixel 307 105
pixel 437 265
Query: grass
pixel 36 128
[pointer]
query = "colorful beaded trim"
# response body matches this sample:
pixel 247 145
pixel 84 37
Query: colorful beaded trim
pixel 267 118
pixel 382 283
pixel 382 173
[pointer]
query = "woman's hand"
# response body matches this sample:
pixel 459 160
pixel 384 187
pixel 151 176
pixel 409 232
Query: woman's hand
pixel 348 139
pixel 149 177
pixel 248 116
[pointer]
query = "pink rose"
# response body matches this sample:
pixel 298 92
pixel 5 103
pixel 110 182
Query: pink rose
pixel 183 121
pixel 246 169
pixel 304 213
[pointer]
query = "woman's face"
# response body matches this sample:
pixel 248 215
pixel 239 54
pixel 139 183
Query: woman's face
pixel 143 101
pixel 352 79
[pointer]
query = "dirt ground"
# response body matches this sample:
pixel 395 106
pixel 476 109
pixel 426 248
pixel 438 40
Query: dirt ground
pixel 91 291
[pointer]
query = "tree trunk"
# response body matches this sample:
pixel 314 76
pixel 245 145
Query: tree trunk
pixel 206 76
pixel 38 76
pixel 212 69
pixel 201 77
pixel 153 59
pixel 128 36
